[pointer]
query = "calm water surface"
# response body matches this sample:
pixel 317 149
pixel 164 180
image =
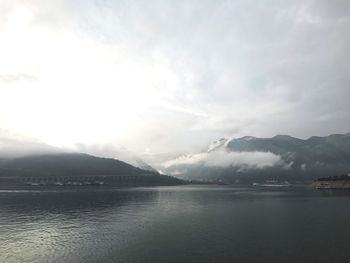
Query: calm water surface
pixel 175 224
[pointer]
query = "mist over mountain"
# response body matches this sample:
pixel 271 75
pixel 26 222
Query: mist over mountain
pixel 253 159
pixel 116 152
pixel 236 160
pixel 15 147
pixel 11 147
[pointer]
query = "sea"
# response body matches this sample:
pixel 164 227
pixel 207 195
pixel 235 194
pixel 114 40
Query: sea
pixel 175 224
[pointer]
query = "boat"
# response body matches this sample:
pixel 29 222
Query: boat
pixel 272 183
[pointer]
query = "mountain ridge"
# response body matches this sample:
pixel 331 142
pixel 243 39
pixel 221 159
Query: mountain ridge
pixel 285 157
pixel 76 170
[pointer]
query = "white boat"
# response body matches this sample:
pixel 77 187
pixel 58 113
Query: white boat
pixel 272 183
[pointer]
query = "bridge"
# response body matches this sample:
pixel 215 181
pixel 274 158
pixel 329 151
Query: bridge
pixel 81 180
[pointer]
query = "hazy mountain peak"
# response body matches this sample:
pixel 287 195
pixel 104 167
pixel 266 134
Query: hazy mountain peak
pixel 248 138
pixel 216 145
pixel 114 151
pixel 13 148
pixel 284 137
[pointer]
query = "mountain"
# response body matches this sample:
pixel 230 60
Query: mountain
pixel 316 152
pixel 217 145
pixel 129 157
pixel 116 152
pixel 248 159
pixel 11 147
pixel 78 165
pixel 14 148
pixel 65 164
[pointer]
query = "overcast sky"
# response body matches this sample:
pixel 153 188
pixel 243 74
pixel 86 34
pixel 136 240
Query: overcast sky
pixel 171 76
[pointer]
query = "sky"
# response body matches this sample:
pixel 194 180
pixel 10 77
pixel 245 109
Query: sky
pixel 161 77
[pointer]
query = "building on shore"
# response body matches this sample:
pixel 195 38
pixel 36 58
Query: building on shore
pixel 333 182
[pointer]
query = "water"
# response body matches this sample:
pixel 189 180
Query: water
pixel 175 224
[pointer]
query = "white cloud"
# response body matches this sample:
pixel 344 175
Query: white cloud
pixel 222 158
pixel 11 146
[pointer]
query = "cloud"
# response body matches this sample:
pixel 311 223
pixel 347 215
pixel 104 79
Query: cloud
pixel 9 78
pixel 14 145
pixel 11 148
pixel 171 76
pixel 113 151
pixel 222 158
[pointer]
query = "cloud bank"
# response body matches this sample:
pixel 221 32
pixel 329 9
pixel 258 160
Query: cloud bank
pixel 11 148
pixel 222 158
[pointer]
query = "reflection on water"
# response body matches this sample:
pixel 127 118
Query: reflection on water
pixel 71 226
pixel 175 224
